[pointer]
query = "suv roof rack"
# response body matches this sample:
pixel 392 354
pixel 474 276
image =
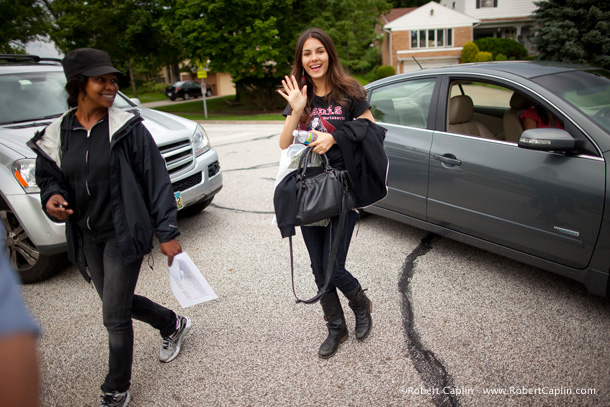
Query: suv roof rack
pixel 24 59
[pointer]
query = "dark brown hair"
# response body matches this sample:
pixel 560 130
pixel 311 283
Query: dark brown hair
pixel 74 87
pixel 342 86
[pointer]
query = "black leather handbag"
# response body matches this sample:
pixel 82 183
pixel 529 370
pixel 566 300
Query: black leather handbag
pixel 322 192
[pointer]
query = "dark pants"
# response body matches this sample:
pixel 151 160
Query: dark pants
pixel 115 282
pixel 319 240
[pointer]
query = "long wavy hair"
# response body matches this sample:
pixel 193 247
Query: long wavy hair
pixel 343 87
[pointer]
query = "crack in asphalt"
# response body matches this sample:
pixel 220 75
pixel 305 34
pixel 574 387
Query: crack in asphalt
pixel 254 167
pixel 242 210
pixel 430 369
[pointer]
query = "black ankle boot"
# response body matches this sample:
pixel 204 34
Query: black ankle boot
pixel 335 322
pixel 362 308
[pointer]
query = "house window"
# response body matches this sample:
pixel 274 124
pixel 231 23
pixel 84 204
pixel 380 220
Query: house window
pixel 487 3
pixel 442 37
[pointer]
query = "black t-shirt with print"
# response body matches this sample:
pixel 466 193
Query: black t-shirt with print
pixel 327 116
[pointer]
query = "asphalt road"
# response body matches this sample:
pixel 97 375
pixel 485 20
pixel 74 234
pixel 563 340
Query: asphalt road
pixel 452 324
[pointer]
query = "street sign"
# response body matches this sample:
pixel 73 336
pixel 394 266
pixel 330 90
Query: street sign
pixel 202 74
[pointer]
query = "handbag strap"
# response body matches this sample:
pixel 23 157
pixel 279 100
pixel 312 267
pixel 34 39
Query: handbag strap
pixel 306 159
pixel 331 258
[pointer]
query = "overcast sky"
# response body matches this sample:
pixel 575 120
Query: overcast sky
pixel 43 49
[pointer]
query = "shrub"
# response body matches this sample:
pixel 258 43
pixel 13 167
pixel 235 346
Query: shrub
pixel 483 56
pixel 501 57
pixel 505 46
pixel 384 71
pixel 469 52
pixel 150 86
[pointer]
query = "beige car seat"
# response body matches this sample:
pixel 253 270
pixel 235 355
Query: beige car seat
pixel 461 111
pixel 513 126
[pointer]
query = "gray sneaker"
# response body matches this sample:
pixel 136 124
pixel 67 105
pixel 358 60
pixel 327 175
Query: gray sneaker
pixel 171 344
pixel 115 399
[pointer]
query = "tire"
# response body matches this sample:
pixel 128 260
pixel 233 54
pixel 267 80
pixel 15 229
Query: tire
pixel 172 98
pixel 195 208
pixel 186 96
pixel 208 92
pixel 24 256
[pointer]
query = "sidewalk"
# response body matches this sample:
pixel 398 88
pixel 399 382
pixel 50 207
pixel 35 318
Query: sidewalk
pixel 166 102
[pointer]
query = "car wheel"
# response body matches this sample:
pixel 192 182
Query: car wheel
pixel 24 256
pixel 195 208
pixel 208 92
pixel 172 98
pixel 186 96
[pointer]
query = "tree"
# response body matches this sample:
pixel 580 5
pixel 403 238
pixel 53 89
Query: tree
pixel 351 25
pixel 22 21
pixel 254 40
pixel 410 3
pixel 573 31
pixel 249 39
pixel 128 30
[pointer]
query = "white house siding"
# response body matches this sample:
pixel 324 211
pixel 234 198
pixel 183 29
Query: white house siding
pixel 510 19
pixel 505 9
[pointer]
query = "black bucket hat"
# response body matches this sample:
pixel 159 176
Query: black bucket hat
pixel 88 62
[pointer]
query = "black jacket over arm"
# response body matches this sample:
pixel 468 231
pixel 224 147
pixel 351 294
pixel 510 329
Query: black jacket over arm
pixel 361 143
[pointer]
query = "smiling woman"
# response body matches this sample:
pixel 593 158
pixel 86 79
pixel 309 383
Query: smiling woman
pixel 112 201
pixel 324 99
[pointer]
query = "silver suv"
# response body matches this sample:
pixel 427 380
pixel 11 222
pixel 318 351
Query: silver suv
pixel 32 95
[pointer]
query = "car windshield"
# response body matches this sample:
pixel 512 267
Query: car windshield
pixel 36 95
pixel 588 91
pixel 29 96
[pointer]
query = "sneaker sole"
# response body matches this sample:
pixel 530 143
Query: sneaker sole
pixel 187 328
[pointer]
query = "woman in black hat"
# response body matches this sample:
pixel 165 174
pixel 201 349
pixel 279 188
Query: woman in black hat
pixel 100 171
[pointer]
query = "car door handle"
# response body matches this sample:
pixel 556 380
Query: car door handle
pixel 447 159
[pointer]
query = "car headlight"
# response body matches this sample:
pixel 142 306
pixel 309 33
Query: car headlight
pixel 24 172
pixel 200 141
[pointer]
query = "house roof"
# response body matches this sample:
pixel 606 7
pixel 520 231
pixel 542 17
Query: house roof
pixel 430 15
pixel 396 13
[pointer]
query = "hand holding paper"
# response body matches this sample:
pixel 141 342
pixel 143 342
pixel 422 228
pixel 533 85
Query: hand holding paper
pixel 186 282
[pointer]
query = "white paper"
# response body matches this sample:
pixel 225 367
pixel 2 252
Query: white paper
pixel 187 283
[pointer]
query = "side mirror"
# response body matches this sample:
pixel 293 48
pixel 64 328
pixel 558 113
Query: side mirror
pixel 547 139
pixel 136 101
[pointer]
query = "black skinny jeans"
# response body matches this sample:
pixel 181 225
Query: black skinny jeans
pixel 319 240
pixel 115 282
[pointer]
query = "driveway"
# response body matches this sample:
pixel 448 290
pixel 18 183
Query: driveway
pixel 452 324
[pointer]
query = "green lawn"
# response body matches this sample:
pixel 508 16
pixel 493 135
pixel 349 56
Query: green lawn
pixel 145 97
pixel 222 108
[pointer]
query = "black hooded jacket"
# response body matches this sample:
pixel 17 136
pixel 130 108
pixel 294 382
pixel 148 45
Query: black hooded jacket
pixel 142 199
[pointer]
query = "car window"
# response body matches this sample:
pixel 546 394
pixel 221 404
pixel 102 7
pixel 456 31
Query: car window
pixel 477 109
pixel 406 103
pixel 483 94
pixel 496 113
pixel 29 96
pixel 588 91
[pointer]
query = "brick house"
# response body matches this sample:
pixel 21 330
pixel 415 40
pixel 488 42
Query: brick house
pixel 502 19
pixel 432 34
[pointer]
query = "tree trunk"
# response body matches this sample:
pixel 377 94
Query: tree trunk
pixel 131 78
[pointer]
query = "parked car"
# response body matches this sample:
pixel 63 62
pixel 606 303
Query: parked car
pixel 185 90
pixel 32 95
pixel 462 166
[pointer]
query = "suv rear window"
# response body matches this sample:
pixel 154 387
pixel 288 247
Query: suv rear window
pixel 32 95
